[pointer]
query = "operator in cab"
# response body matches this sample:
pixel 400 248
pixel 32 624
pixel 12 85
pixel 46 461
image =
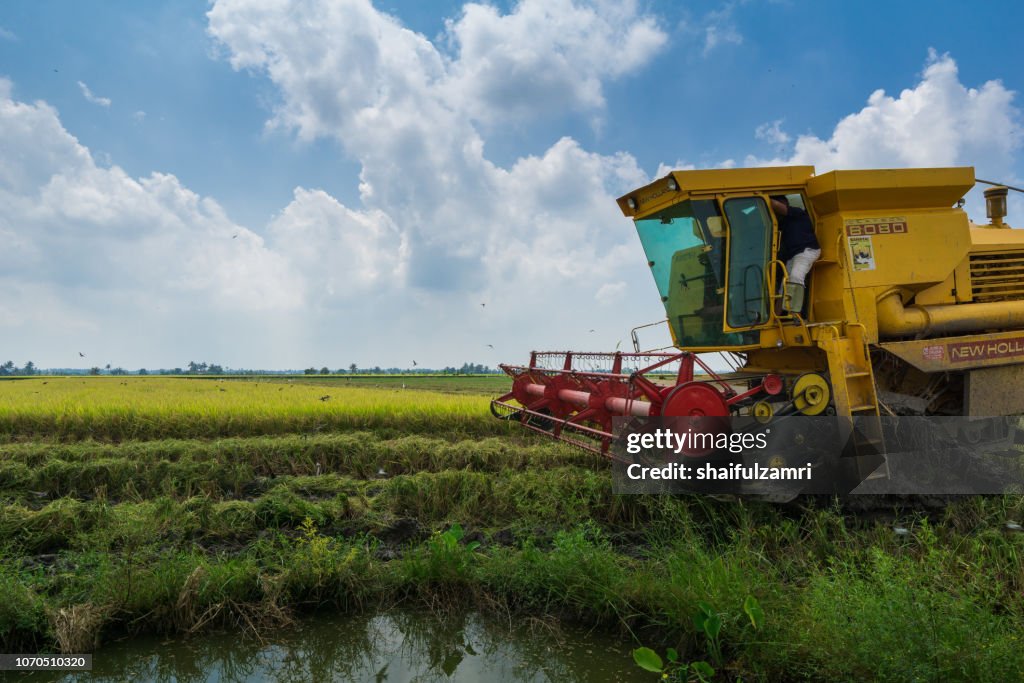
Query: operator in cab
pixel 798 249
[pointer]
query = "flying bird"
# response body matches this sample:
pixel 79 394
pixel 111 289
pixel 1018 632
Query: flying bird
pixel 593 330
pixel 491 346
pixel 324 398
pixel 482 305
pixel 81 354
pixel 234 236
pixel 414 363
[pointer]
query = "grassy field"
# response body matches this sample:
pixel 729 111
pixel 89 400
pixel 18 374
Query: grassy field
pixel 145 504
pixel 489 385
pixel 120 408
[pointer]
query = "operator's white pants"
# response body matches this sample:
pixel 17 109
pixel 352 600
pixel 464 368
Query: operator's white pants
pixel 800 265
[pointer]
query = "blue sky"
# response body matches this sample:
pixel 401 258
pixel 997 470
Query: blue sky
pixel 315 183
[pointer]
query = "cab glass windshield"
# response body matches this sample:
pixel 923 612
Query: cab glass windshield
pixel 685 247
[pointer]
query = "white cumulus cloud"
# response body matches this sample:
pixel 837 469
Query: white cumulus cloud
pixel 90 97
pixel 91 250
pixel 611 293
pixel 437 216
pixel 439 227
pixel 544 57
pixel 938 122
pixel 772 133
pixel 346 253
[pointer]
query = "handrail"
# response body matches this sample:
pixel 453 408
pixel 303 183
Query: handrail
pixel 636 339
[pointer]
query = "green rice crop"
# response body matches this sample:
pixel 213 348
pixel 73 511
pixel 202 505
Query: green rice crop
pixel 241 466
pixel 119 408
pixel 486 385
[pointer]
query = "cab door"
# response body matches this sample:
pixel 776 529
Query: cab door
pixel 750 249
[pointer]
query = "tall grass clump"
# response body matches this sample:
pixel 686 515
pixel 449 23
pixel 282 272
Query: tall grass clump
pixel 886 620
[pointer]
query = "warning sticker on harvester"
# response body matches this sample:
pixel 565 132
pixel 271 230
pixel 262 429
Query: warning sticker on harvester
pixel 862 253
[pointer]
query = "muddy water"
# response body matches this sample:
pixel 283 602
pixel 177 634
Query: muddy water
pixel 397 646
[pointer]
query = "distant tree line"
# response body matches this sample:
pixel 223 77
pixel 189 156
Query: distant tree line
pixel 204 368
pixel 353 369
pixel 195 368
pixel 9 369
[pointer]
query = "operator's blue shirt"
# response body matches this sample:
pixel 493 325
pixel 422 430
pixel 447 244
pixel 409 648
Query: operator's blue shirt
pixel 797 233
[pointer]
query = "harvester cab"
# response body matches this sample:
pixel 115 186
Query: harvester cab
pixel 911 309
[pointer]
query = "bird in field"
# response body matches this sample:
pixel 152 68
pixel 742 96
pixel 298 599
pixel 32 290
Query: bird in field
pixel 324 398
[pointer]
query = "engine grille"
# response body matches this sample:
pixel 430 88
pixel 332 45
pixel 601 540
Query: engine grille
pixel 997 277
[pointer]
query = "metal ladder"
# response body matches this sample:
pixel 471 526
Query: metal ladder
pixel 853 387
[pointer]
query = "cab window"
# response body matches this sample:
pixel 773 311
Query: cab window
pixel 748 298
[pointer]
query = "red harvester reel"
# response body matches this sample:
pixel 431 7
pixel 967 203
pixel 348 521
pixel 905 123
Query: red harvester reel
pixel 577 406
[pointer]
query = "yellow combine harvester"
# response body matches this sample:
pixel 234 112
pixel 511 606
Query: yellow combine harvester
pixel 911 309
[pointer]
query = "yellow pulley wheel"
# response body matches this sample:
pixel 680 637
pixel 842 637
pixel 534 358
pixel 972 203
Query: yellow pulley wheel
pixel 811 394
pixel 763 412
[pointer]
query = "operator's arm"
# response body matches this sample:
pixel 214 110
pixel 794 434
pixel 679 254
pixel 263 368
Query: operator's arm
pixel 779 208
